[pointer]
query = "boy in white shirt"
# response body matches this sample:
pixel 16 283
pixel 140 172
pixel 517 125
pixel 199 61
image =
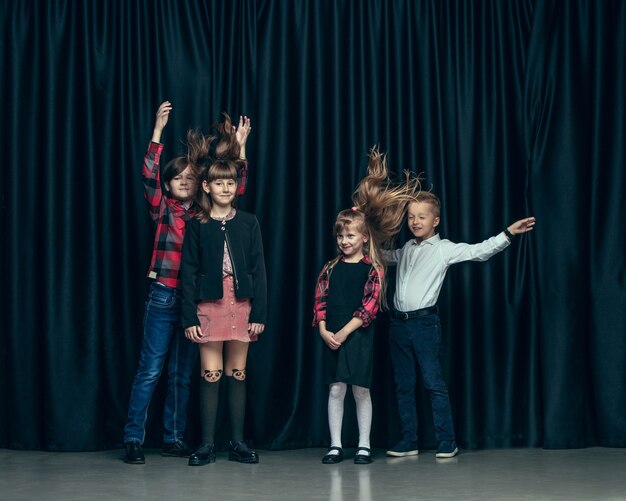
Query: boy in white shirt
pixel 415 332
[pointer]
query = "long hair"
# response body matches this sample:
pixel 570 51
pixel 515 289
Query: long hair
pixel 217 157
pixel 383 201
pixel 379 211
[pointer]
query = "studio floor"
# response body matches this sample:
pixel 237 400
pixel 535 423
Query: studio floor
pixel 297 475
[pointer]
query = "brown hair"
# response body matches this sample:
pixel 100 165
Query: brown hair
pixel 379 211
pixel 217 157
pixel 219 169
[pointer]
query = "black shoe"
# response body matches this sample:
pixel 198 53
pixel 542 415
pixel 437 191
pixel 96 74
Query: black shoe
pixel 363 458
pixel 204 455
pixel 177 449
pixel 134 454
pixel 238 451
pixel 333 458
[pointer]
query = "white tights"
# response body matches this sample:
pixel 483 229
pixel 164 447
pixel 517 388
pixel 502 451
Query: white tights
pixel 363 401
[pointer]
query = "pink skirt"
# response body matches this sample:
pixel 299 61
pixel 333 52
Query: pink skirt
pixel 225 319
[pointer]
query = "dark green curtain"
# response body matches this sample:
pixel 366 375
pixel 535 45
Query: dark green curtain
pixel 508 108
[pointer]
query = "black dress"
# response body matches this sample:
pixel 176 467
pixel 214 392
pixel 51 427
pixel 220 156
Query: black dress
pixel 352 363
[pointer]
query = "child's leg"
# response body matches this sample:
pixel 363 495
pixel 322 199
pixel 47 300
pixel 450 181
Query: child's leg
pixel 211 372
pixel 235 368
pixel 336 396
pixel 182 357
pixel 161 318
pixel 428 346
pixel 363 401
pixel 404 369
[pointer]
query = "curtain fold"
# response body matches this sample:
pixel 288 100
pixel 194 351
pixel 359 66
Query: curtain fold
pixel 507 108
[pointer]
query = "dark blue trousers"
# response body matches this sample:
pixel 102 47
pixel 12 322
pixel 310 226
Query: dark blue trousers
pixel 413 342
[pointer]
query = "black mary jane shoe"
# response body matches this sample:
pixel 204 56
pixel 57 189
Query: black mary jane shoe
pixel 363 458
pixel 333 458
pixel 238 451
pixel 204 455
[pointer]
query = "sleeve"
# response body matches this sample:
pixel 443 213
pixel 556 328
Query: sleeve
pixel 321 296
pixel 152 179
pixel 458 253
pixel 190 264
pixel 392 256
pixel 258 313
pixel 243 179
pixel 371 298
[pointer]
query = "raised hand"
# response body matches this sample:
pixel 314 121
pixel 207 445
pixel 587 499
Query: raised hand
pixel 162 116
pixel 242 131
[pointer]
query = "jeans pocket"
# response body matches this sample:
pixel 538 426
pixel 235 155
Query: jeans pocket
pixel 429 322
pixel 161 299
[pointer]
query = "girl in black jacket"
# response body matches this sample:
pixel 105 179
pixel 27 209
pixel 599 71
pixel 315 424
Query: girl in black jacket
pixel 224 303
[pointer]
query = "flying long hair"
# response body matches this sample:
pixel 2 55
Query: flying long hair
pixel 378 212
pixel 217 157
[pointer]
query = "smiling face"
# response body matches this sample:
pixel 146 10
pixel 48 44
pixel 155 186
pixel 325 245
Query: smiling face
pixel 422 220
pixel 183 186
pixel 350 242
pixel 221 191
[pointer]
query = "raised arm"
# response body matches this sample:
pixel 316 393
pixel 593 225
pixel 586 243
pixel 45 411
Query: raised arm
pixel 150 172
pixel 242 131
pixel 162 116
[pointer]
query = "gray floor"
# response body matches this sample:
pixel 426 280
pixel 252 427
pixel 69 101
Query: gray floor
pixel 503 474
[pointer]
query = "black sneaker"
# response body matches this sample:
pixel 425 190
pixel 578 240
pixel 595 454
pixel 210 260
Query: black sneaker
pixel 447 450
pixel 238 451
pixel 134 454
pixel 403 448
pixel 177 449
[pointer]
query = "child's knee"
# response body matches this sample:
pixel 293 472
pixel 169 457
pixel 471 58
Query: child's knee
pixel 212 376
pixel 337 390
pixel 239 374
pixel 360 392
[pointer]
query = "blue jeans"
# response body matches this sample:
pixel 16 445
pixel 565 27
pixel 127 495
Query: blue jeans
pixel 162 334
pixel 417 341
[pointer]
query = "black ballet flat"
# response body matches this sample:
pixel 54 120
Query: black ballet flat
pixel 333 458
pixel 363 458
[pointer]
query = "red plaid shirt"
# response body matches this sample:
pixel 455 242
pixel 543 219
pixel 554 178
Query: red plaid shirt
pixel 170 217
pixel 369 304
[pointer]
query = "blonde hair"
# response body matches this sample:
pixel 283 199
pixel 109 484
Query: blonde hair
pixel 379 211
pixel 430 198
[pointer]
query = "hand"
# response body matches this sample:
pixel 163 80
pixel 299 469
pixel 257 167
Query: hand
pixel 341 336
pixel 255 329
pixel 193 333
pixel 329 338
pixel 242 131
pixel 162 115
pixel 522 226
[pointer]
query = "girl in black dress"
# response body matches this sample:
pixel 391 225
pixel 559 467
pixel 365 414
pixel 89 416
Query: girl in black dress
pixel 350 291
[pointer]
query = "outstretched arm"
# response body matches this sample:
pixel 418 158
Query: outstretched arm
pixel 162 116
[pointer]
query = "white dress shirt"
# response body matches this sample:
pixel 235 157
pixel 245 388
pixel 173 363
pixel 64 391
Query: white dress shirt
pixel 422 267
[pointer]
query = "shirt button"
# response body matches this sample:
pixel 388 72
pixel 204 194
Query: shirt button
pixel 231 289
pixel 234 327
pixel 232 302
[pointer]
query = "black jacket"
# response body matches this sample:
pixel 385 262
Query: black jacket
pixel 201 266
